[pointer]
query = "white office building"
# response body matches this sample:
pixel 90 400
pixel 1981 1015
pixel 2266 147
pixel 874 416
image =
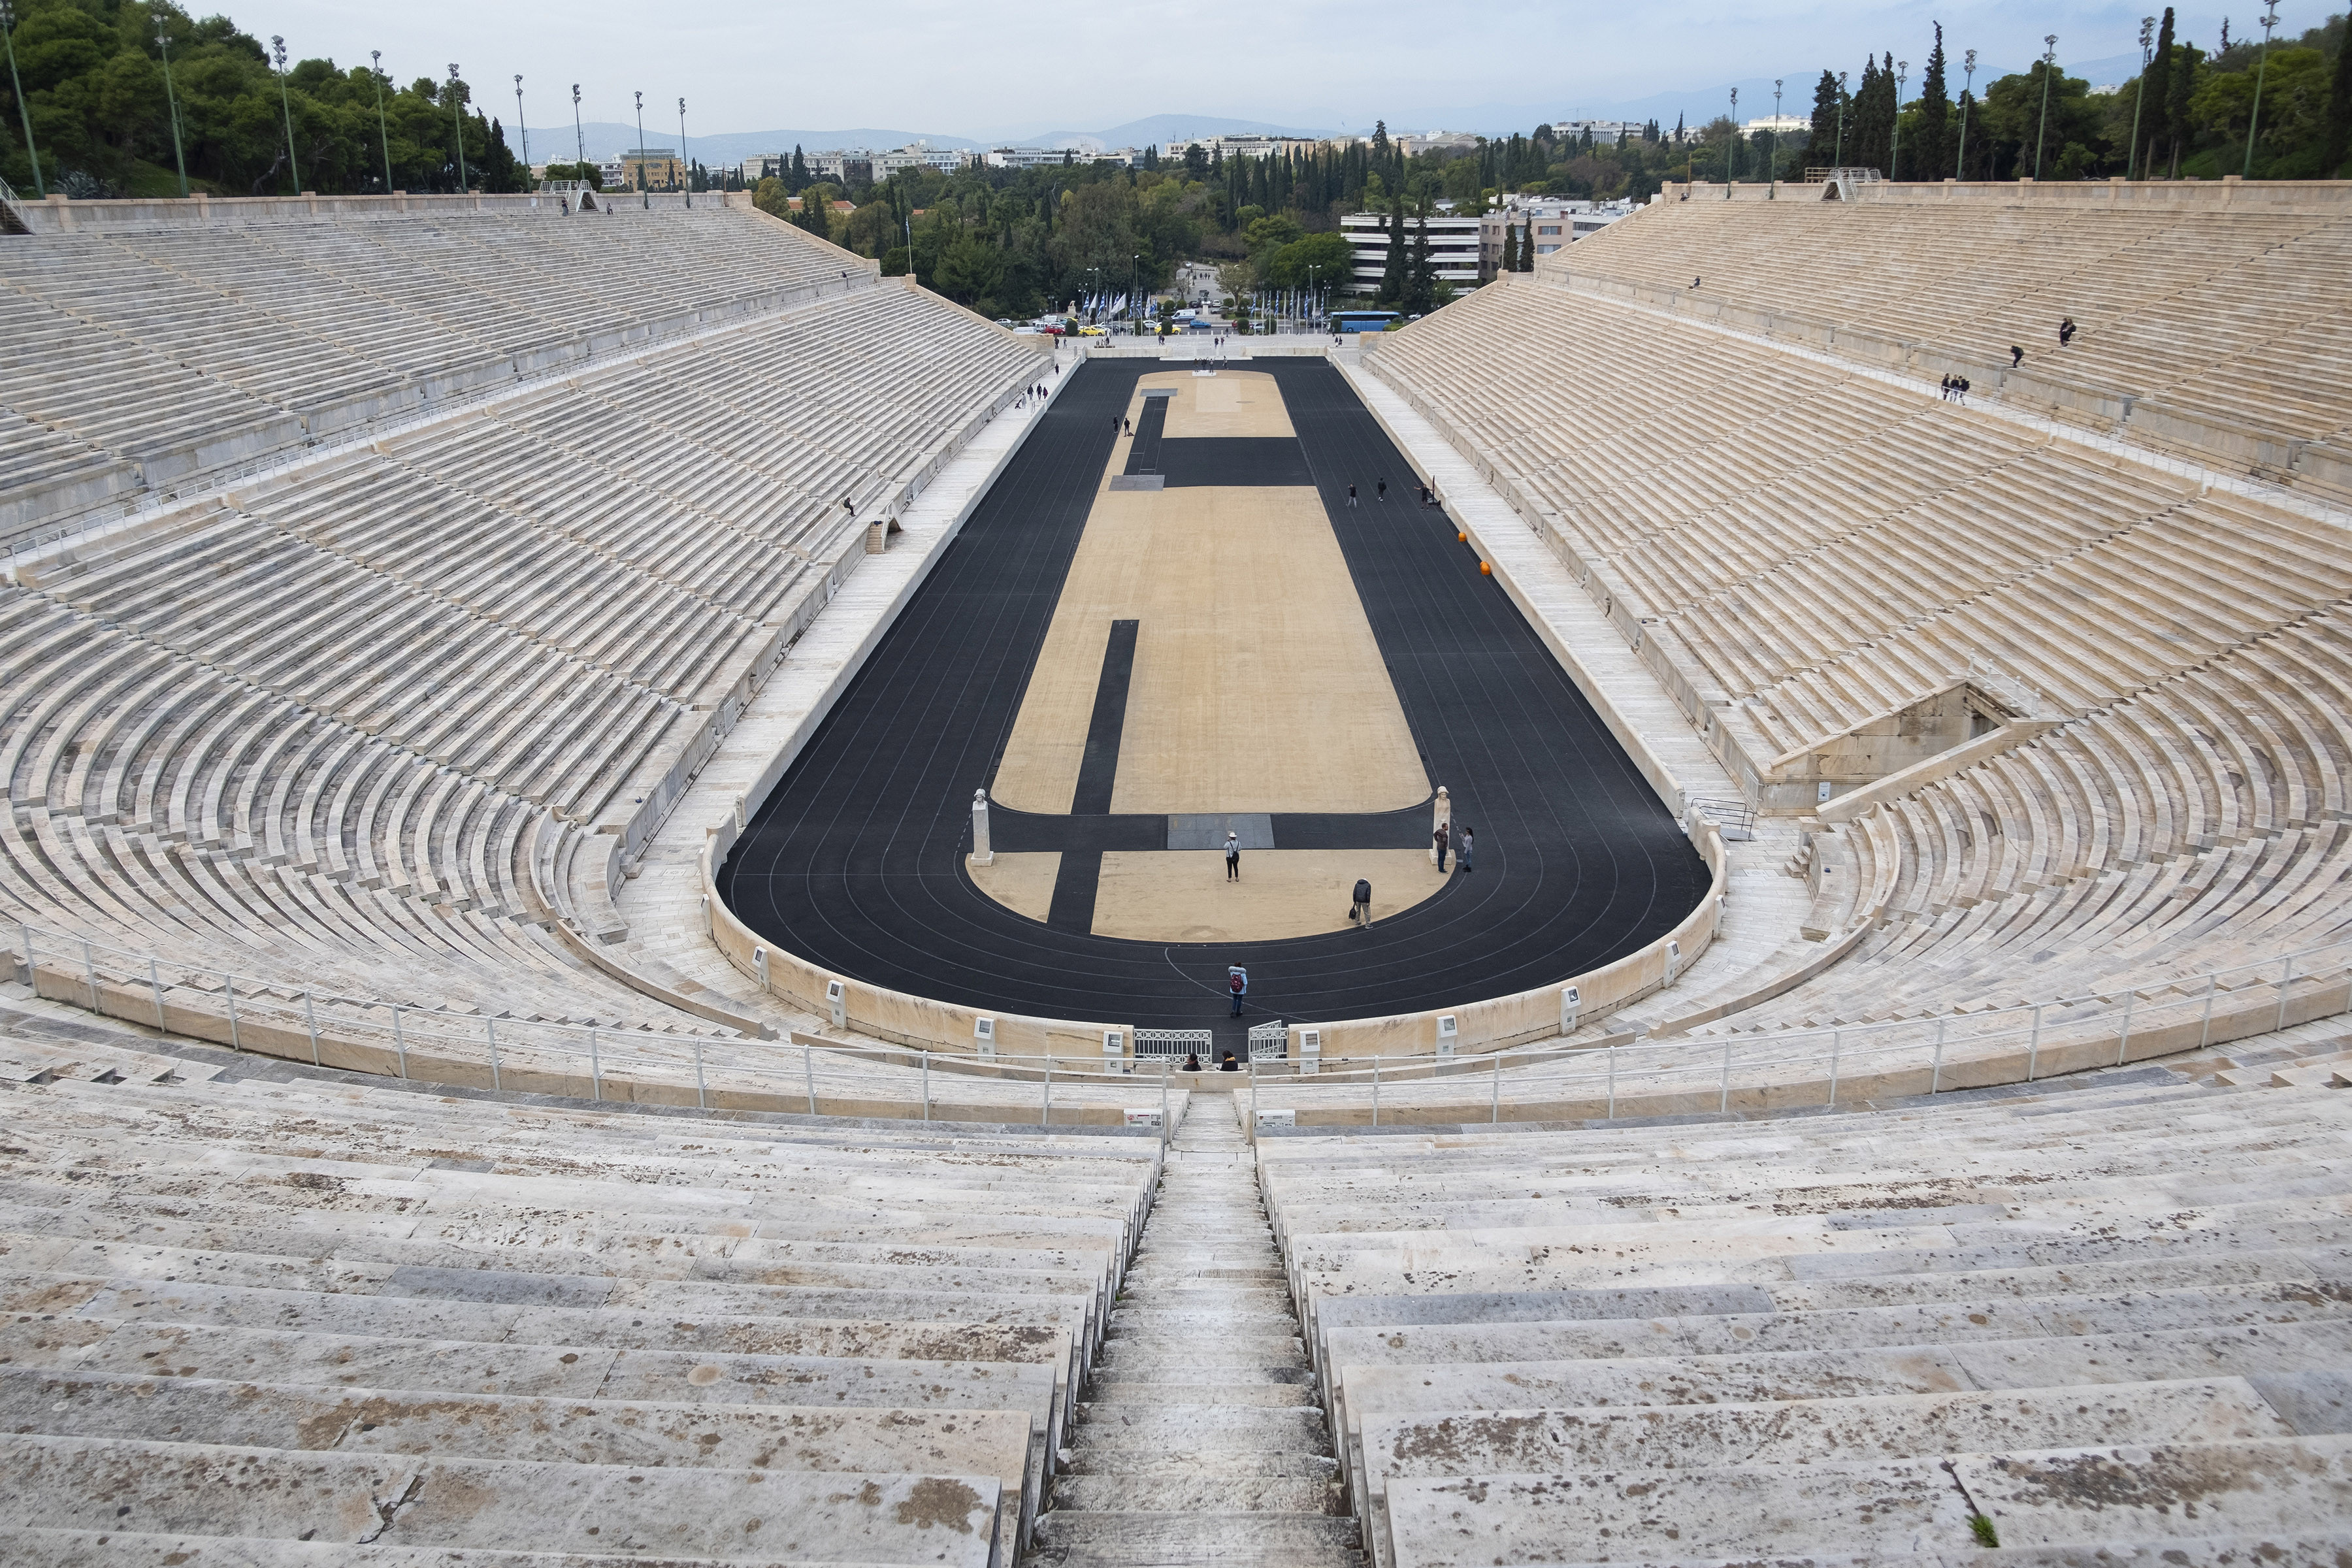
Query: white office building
pixel 1453 246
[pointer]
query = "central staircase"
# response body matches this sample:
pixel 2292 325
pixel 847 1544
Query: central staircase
pixel 1201 1440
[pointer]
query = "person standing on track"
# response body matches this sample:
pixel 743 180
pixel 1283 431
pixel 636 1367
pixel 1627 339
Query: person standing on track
pixel 1440 841
pixel 1469 842
pixel 1362 914
pixel 1380 491
pixel 1233 856
pixel 1237 981
pixel 1351 495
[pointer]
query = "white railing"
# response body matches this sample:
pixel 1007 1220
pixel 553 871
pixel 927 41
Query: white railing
pixel 1269 1042
pixel 14 207
pixel 724 1070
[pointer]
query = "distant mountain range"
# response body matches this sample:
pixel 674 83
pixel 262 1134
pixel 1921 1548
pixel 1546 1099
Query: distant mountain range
pixel 606 140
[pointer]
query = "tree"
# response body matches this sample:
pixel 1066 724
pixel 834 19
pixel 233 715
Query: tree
pixel 969 270
pixel 1395 277
pixel 1870 131
pixel 1510 262
pixel 1420 276
pixel 2178 92
pixel 1829 106
pixel 2339 112
pixel 1929 138
pixel 1319 260
pixel 2155 84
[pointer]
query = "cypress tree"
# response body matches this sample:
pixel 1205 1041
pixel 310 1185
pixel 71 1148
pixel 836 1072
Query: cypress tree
pixel 1392 276
pixel 1932 146
pixel 2338 122
pixel 1510 262
pixel 1420 282
pixel 2176 101
pixel 2154 83
pixel 1828 100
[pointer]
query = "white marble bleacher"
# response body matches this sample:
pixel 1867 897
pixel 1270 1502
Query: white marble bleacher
pixel 1829 1338
pixel 326 771
pixel 429 1321
pixel 188 347
pixel 2235 315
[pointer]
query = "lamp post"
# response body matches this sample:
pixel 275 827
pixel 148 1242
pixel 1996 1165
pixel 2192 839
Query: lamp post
pixel 2049 62
pixel 1894 150
pixel 293 165
pixel 457 118
pixel 578 137
pixel 376 60
pixel 8 30
pixel 2139 92
pixel 171 99
pixel 685 169
pixel 1731 147
pixel 1838 158
pixel 521 128
pixel 642 191
pixel 2254 122
pixel 1968 80
pixel 1772 170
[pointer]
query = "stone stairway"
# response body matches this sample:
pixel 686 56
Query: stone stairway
pixel 1200 1439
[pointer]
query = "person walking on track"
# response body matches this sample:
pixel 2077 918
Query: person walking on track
pixel 1362 914
pixel 1441 841
pixel 1351 495
pixel 1380 491
pixel 1233 856
pixel 1237 981
pixel 1469 842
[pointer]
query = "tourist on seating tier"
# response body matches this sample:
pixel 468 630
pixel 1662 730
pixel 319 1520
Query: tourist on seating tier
pixel 1191 1062
pixel 2016 356
pixel 2065 331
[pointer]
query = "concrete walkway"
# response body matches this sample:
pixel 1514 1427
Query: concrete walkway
pixel 1199 1440
pixel 1759 934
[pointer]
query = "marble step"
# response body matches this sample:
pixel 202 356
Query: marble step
pixel 1081 1540
pixel 1230 1486
pixel 1168 1395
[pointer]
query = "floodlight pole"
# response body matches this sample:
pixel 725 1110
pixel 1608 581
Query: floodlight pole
pixel 1967 81
pixel 2253 123
pixel 171 98
pixel 1732 146
pixel 578 137
pixel 2049 63
pixel 642 191
pixel 1772 170
pixel 457 114
pixel 375 58
pixel 1838 158
pixel 293 164
pixel 8 31
pixel 685 168
pixel 1895 152
pixel 524 131
pixel 2139 92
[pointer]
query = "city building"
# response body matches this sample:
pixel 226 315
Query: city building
pixel 1782 124
pixel 1545 222
pixel 920 156
pixel 658 165
pixel 765 166
pixel 1603 131
pixel 1454 246
pixel 843 167
pixel 1037 157
pixel 1239 146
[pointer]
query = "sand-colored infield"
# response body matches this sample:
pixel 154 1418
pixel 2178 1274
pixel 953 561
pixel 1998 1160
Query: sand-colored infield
pixel 1257 685
pixel 1022 883
pixel 1183 895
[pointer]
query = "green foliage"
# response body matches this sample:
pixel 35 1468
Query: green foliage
pixel 1317 260
pixel 93 80
pixel 1981 1528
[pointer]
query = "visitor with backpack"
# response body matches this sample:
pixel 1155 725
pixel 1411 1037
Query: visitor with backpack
pixel 1237 981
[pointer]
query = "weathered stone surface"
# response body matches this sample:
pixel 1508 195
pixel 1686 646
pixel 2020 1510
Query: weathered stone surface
pixel 2144 1491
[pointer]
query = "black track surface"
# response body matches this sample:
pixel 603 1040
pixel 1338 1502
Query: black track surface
pixel 857 860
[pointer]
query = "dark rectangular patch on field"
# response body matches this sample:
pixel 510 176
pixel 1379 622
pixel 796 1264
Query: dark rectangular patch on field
pixel 1143 457
pixel 1235 460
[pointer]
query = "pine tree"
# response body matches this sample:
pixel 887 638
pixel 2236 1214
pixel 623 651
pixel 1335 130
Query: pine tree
pixel 2154 83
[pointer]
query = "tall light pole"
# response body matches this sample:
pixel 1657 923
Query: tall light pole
pixel 171 99
pixel 578 137
pixel 1731 146
pixel 2254 122
pixel 641 154
pixel 293 165
pixel 685 169
pixel 1840 158
pixel 375 58
pixel 1961 159
pixel 2139 92
pixel 1772 170
pixel 8 30
pixel 522 129
pixel 458 117
pixel 1894 151
pixel 2049 62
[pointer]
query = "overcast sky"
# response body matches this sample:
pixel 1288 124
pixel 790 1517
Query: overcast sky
pixel 983 71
